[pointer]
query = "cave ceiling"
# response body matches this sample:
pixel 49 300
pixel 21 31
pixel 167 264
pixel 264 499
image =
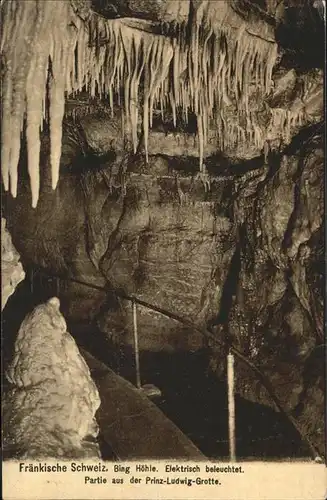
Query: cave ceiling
pixel 233 78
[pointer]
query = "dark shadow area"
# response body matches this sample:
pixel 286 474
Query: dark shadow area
pixel 302 36
pixel 197 402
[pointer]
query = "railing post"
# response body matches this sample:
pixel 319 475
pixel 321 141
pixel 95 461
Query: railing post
pixel 136 347
pixel 231 407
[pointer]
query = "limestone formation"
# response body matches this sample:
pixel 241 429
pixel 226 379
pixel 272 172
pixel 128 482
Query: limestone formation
pixel 51 401
pixel 12 272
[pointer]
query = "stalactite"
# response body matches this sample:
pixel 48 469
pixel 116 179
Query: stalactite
pixel 6 124
pixel 282 122
pixel 205 72
pixel 25 26
pixel 64 41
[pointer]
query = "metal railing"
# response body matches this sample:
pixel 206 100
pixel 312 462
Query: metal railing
pixel 232 352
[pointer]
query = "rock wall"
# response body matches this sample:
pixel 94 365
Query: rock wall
pixel 167 248
pixel 12 272
pixel 151 230
pixel 276 317
pixel 51 400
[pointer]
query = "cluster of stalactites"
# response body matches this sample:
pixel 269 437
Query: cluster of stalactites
pixel 202 70
pixel 38 38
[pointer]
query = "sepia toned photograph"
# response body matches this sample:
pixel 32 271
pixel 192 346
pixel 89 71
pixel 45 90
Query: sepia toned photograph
pixel 162 232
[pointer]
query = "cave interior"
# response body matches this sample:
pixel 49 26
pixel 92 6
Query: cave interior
pixel 163 165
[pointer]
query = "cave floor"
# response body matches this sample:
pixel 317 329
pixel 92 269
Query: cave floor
pixel 196 401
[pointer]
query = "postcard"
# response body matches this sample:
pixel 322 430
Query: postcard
pixel 163 249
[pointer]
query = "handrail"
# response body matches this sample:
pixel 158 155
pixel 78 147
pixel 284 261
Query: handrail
pixel 210 336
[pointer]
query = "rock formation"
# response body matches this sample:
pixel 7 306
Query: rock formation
pixel 215 64
pixel 12 272
pixel 276 311
pixel 50 404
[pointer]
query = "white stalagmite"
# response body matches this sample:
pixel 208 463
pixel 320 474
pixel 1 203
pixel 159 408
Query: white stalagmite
pixel 204 74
